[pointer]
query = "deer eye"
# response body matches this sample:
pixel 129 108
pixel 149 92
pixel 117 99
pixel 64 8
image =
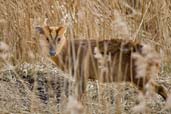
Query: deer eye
pixel 47 39
pixel 58 39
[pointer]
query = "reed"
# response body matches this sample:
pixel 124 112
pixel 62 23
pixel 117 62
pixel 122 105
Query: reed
pixel 148 21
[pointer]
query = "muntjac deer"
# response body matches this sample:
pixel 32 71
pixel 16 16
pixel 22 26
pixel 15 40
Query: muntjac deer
pixel 114 60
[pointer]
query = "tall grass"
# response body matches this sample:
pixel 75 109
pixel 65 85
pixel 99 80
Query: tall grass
pixel 147 20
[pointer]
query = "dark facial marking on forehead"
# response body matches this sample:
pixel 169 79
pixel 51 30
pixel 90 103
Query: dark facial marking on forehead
pixel 53 34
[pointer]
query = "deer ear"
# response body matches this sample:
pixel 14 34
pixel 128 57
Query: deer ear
pixel 39 30
pixel 61 30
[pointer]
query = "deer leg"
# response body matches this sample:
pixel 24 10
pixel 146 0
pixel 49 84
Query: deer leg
pixel 159 89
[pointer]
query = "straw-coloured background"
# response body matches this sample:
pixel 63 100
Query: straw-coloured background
pixel 146 20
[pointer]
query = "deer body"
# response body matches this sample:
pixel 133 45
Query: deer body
pixel 106 60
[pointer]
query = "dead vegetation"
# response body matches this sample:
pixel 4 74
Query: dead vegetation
pixel 35 89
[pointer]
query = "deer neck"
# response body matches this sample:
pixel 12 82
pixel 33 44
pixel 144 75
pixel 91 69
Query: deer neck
pixel 60 58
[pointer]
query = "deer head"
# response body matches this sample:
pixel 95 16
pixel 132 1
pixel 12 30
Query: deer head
pixel 52 40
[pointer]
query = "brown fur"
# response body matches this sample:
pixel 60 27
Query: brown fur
pixel 114 64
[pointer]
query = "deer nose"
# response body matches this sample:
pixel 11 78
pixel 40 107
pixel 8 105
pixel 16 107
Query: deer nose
pixel 52 52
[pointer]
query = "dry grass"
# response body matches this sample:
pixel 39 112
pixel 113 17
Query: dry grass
pixel 147 20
